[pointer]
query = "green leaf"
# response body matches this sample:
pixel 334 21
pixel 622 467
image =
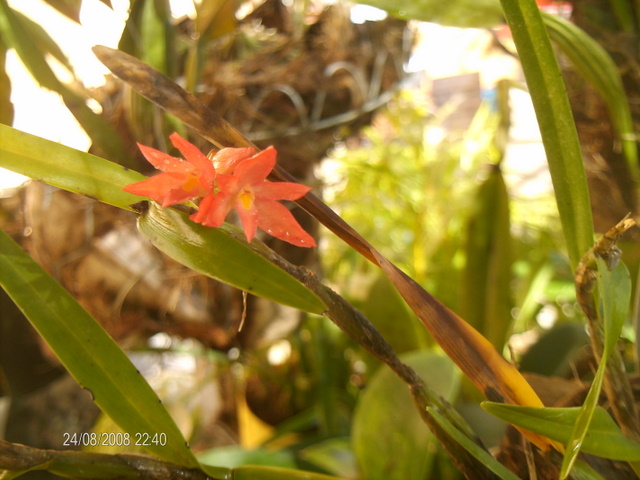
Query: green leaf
pixel 593 61
pixel 15 35
pixel 603 438
pixel 89 353
pixel 557 127
pixel 384 306
pixel 43 41
pixel 223 254
pixel 156 35
pixel 614 292
pixel 614 287
pixel 473 448
pixel 455 13
pixel 582 423
pixel 233 456
pixel 66 168
pixel 334 456
pixel 389 438
pixel 276 473
pixel 486 282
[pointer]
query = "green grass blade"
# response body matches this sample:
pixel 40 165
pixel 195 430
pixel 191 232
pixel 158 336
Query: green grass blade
pixel 89 353
pixel 222 253
pixel 66 168
pixel 557 126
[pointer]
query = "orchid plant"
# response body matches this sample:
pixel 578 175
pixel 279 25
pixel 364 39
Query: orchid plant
pixel 249 182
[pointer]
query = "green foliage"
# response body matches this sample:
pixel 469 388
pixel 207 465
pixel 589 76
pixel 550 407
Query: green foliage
pixel 485 298
pixel 458 13
pixel 66 168
pixel 397 446
pixel 597 67
pixel 221 253
pixel 603 437
pixel 89 353
pixel 614 290
pixel 424 207
pixel 404 174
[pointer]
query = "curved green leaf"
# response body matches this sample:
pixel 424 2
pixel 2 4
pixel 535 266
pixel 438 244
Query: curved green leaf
pixel 86 350
pixel 222 253
pixel 603 437
pixel 557 127
pixel 66 168
pixel 596 65
pixel 454 13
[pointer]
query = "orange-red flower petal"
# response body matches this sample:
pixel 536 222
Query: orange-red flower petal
pixel 180 180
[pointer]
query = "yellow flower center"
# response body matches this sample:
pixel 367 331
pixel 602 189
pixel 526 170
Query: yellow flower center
pixel 191 183
pixel 246 197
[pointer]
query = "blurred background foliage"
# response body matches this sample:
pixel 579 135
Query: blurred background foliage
pixel 291 389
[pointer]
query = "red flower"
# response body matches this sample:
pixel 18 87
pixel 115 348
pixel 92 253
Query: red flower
pixel 255 200
pixel 225 160
pixel 181 180
pixel 233 178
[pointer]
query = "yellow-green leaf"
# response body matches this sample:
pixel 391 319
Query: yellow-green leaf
pixel 223 254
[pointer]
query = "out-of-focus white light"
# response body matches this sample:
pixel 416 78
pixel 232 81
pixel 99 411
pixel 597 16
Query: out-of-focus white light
pixel 366 13
pixel 279 352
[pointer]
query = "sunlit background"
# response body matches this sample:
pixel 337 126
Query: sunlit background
pixel 41 112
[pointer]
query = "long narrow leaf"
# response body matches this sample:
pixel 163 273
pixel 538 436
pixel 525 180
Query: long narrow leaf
pixel 557 127
pixel 66 167
pixel 603 438
pixel 593 61
pixel 480 454
pixel 89 353
pixel 222 254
